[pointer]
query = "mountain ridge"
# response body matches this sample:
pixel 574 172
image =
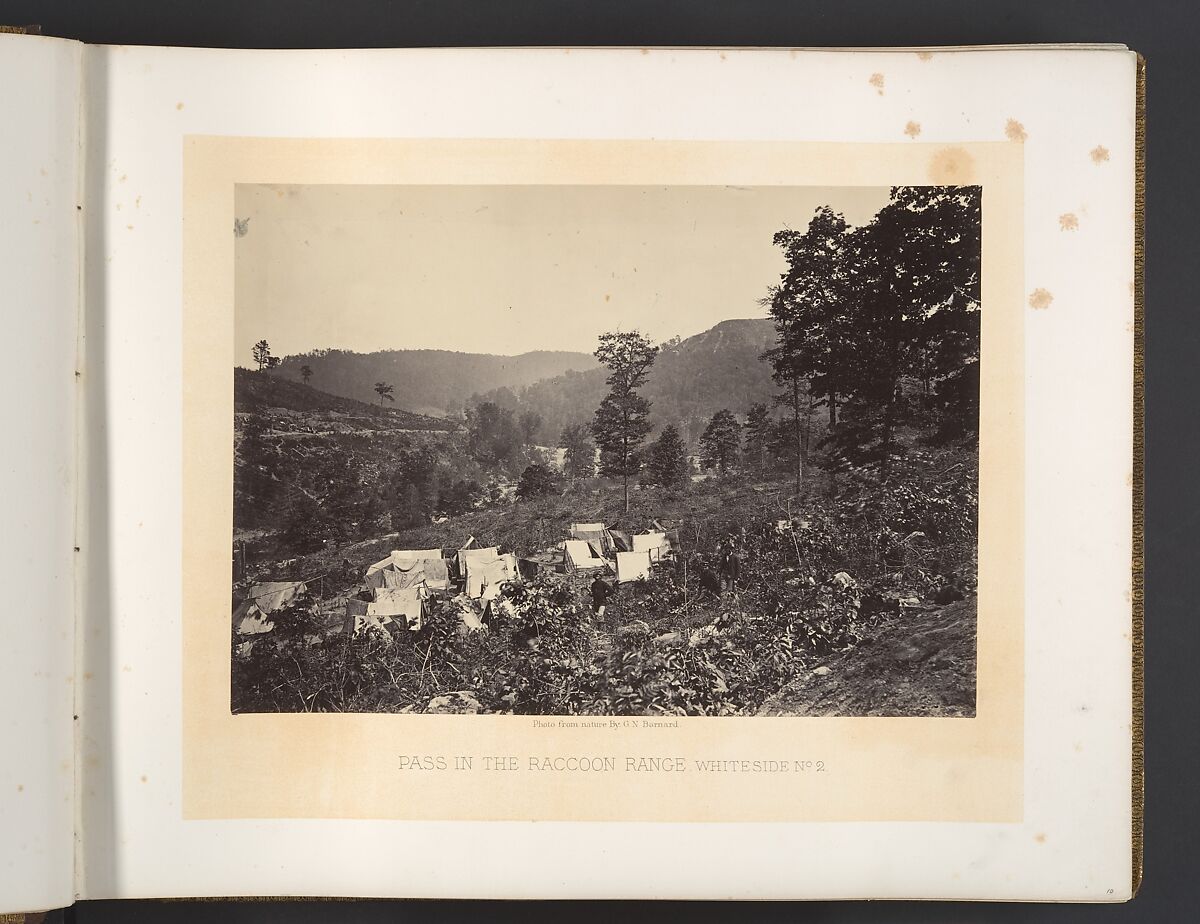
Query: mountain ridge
pixel 691 378
pixel 432 382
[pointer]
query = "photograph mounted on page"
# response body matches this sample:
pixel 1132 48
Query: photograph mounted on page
pixel 606 450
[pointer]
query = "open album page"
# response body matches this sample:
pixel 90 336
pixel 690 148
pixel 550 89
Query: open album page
pixel 542 460
pixel 39 310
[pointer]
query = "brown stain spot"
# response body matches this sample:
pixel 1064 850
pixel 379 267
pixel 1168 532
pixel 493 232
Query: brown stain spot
pixel 912 129
pixel 721 55
pixel 1040 299
pixel 607 298
pixel 1129 479
pixel 1131 287
pixel 1067 221
pixel 137 203
pixel 1098 154
pixel 179 105
pixel 951 167
pixel 1078 748
pixel 877 82
pixel 118 206
pixel 925 55
pixel 129 227
pixel 87 676
pixel 1014 130
pixel 145 778
pixel 792 52
pixel 645 51
pixel 124 177
pixel 1040 838
pixel 20 787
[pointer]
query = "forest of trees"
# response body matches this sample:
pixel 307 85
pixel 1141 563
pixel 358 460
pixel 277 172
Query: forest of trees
pixel 877 330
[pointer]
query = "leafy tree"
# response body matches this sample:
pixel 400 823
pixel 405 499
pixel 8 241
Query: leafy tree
pixel 262 354
pixel 529 422
pixel 812 322
pixel 306 373
pixel 916 295
pixel 862 311
pixel 384 390
pixel 408 508
pixel 758 435
pixel 308 525
pixel 274 362
pixel 255 488
pixel 721 441
pixel 493 436
pixel 621 422
pixel 666 462
pixel 537 481
pixel 580 458
pixel 412 488
pixel 460 497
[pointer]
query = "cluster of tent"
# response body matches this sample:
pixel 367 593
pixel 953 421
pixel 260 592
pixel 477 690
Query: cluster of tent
pixel 594 546
pixel 401 585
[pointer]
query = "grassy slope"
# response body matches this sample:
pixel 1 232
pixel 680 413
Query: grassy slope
pixel 922 663
pixel 263 391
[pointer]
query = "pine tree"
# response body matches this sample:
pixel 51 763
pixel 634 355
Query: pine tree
pixel 721 441
pixel 262 354
pixel 666 462
pixel 621 422
pixel 758 435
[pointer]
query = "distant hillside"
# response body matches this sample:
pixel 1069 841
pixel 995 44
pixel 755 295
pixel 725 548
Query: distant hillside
pixel 690 381
pixel 438 382
pixel 271 392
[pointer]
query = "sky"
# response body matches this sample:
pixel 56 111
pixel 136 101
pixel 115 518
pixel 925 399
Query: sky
pixel 508 269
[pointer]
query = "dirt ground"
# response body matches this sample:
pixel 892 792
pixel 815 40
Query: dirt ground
pixel 920 664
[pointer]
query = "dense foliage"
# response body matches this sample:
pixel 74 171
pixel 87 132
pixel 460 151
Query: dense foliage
pixel 679 649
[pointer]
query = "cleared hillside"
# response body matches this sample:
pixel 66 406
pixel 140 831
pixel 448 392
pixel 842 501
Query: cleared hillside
pixel 437 382
pixel 265 392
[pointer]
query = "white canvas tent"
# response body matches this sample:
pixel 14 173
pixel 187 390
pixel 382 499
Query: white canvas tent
pixel 632 566
pixel 252 616
pixel 655 544
pixel 580 556
pixel 402 568
pixel 593 532
pixel 485 577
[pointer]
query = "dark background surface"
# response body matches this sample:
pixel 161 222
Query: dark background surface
pixel 1165 32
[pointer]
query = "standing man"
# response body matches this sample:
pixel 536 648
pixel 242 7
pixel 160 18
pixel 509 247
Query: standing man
pixel 601 591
